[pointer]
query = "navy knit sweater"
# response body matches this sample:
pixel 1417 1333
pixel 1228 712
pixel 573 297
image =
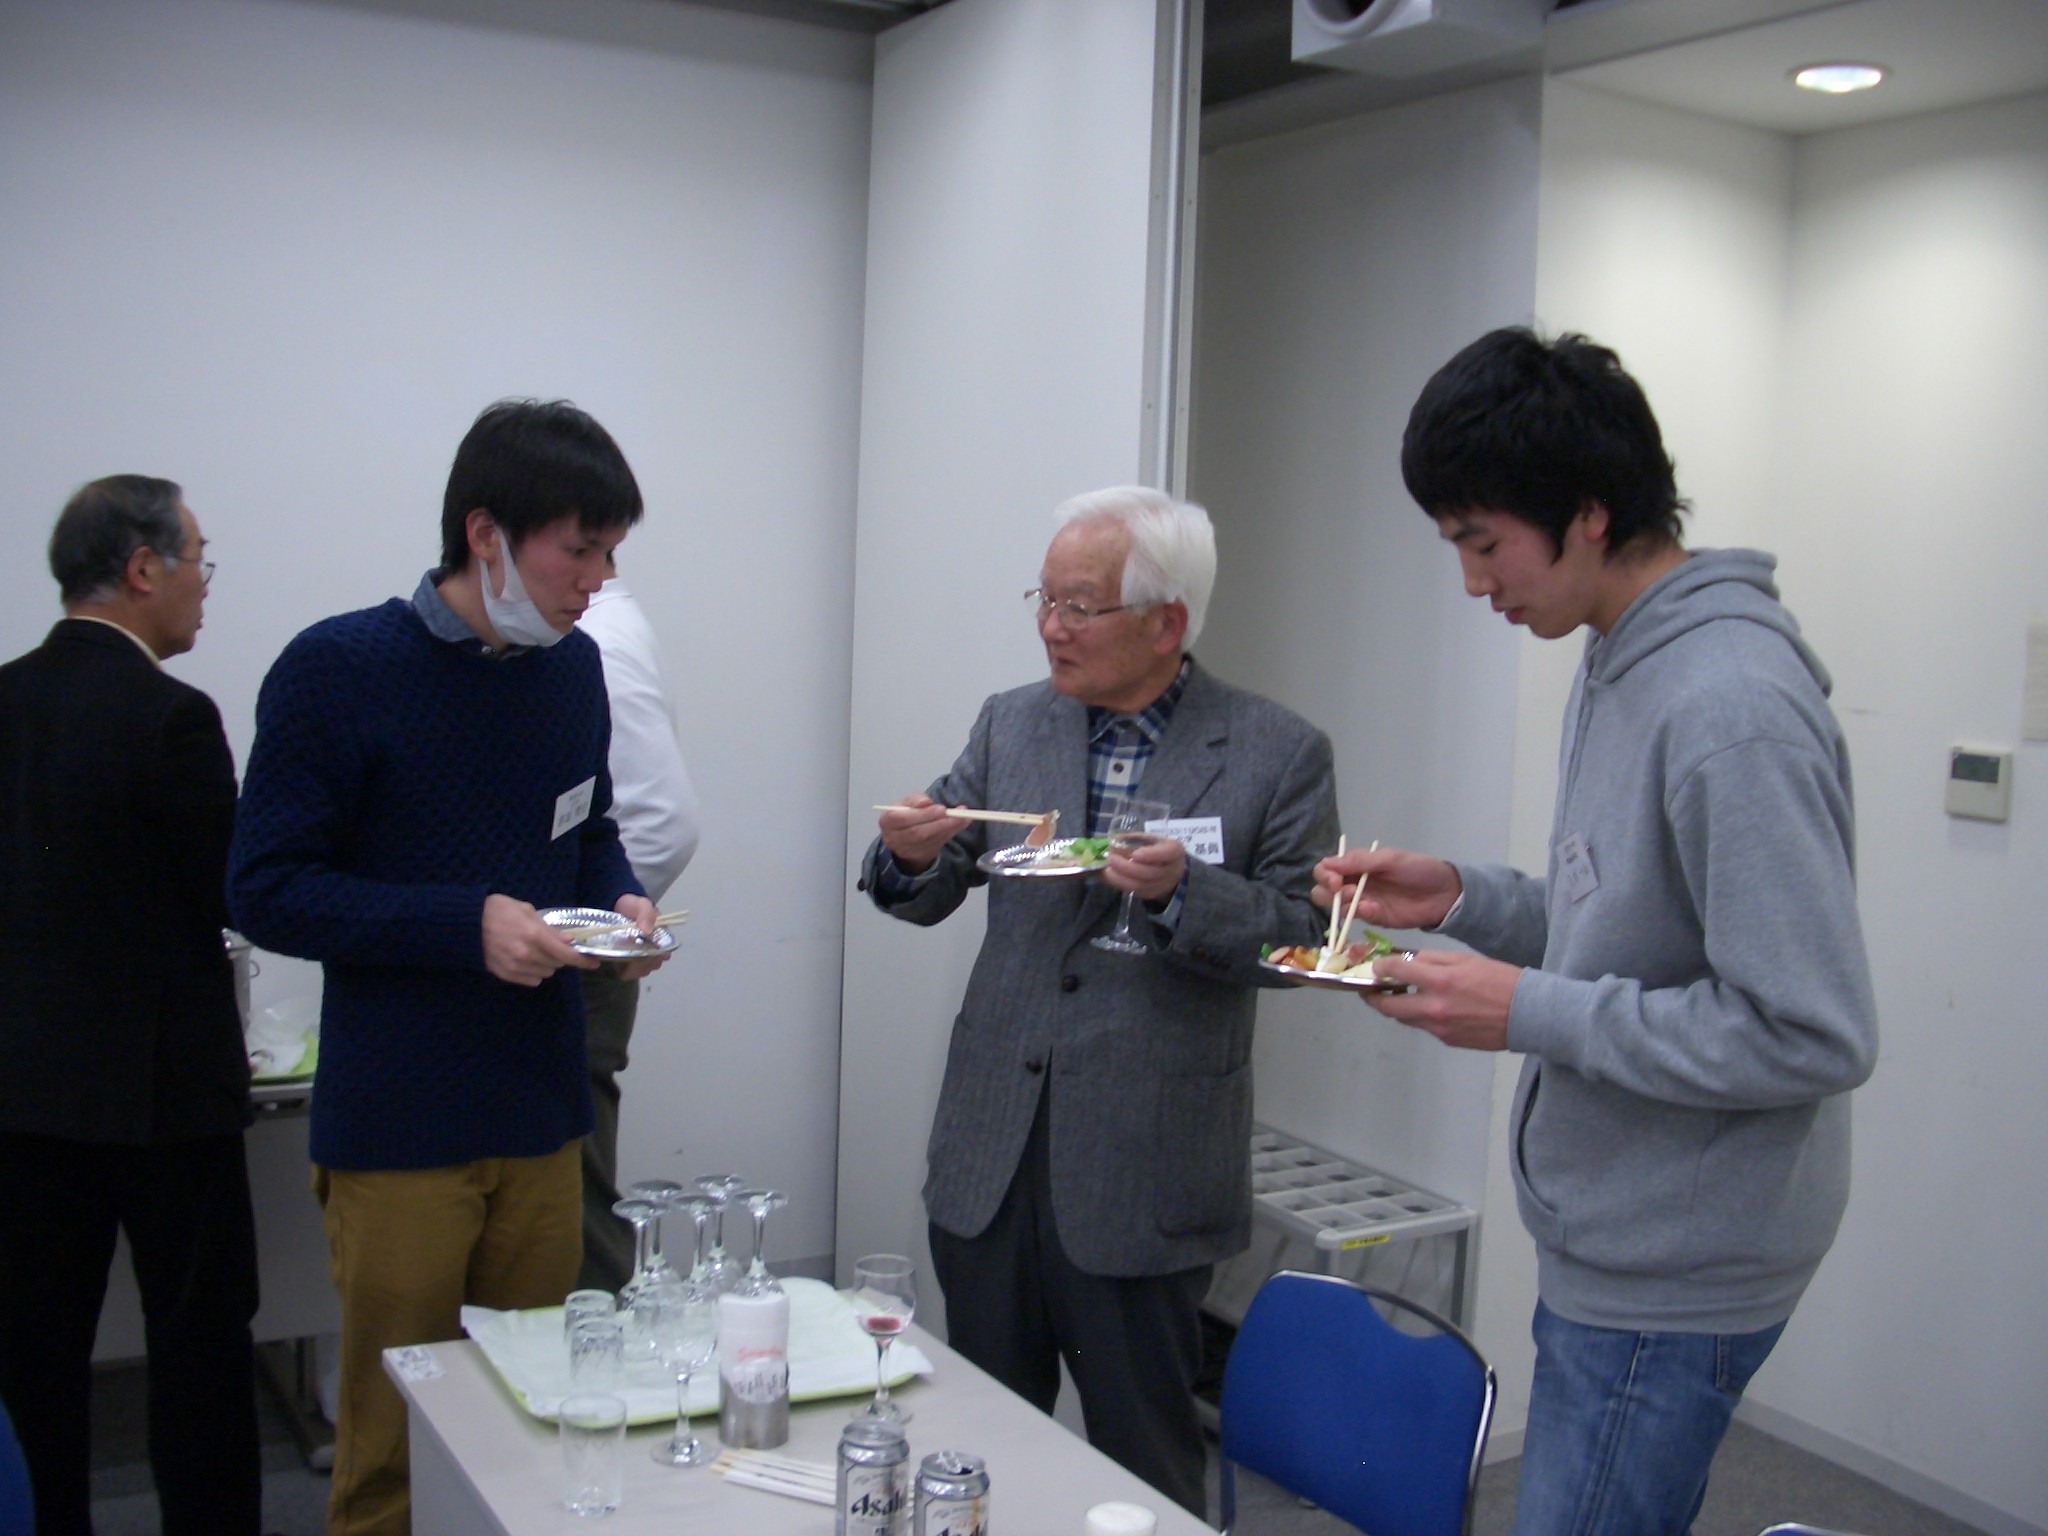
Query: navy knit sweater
pixel 396 781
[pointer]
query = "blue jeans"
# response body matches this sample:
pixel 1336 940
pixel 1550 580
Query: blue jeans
pixel 1623 1426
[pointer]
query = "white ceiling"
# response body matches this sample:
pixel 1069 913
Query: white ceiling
pixel 1941 53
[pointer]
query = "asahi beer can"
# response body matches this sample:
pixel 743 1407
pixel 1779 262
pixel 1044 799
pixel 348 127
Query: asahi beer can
pixel 874 1479
pixel 952 1495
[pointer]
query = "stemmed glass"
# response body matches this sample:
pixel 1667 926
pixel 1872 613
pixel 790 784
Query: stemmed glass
pixel 685 1327
pixel 1127 818
pixel 662 1194
pixel 642 1214
pixel 723 1271
pixel 884 1300
pixel 698 1208
pixel 759 1202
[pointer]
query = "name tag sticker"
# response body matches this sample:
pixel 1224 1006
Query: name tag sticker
pixel 572 807
pixel 1202 836
pixel 1575 868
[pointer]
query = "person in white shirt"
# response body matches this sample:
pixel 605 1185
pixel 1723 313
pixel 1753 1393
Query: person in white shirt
pixel 656 809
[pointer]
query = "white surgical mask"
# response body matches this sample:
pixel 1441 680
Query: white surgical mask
pixel 512 613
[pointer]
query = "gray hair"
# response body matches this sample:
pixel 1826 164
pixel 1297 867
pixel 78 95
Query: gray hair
pixel 1173 546
pixel 104 523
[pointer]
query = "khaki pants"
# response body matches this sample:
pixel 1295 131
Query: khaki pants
pixel 608 1008
pixel 407 1249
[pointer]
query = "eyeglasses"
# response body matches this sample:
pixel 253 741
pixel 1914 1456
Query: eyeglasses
pixel 1072 614
pixel 206 567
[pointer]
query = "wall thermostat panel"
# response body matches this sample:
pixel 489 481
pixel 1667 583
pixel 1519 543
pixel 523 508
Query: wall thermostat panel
pixel 1980 782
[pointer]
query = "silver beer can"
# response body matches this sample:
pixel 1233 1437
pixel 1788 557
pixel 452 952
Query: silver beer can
pixel 874 1479
pixel 952 1495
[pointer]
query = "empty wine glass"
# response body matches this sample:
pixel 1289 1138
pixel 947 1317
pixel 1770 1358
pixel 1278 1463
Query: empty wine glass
pixel 759 1202
pixel 641 1213
pixel 685 1327
pixel 723 1271
pixel 698 1208
pixel 884 1300
pixel 662 1194
pixel 1126 819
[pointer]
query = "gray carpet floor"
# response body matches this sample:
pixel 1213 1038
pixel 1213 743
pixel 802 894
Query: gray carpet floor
pixel 1757 1481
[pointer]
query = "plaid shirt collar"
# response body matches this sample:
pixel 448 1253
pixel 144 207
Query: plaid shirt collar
pixel 1149 722
pixel 1120 747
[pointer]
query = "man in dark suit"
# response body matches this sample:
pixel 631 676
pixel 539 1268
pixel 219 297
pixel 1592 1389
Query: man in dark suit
pixel 125 1090
pixel 1089 1161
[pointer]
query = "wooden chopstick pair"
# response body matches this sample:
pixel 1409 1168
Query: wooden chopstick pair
pixel 968 813
pixel 601 930
pixel 813 1482
pixel 1338 941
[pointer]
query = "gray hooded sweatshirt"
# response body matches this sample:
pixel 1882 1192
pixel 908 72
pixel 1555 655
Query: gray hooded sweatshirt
pixel 1698 1001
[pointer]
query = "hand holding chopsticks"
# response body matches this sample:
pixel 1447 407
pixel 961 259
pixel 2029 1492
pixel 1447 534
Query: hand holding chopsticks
pixel 914 842
pixel 1340 936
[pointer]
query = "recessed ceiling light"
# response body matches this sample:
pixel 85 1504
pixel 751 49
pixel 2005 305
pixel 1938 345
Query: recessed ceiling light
pixel 1837 79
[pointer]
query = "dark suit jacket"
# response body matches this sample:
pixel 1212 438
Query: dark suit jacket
pixel 1149 1055
pixel 117 799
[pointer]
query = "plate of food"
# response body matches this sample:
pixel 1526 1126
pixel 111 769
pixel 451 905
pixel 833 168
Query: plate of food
pixel 1348 970
pixel 607 936
pixel 1062 858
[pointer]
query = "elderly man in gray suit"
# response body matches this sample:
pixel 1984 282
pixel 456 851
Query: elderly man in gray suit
pixel 1089 1161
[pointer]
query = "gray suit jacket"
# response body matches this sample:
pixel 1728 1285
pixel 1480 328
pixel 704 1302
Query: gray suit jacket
pixel 1149 1056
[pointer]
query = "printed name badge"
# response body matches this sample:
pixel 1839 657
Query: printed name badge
pixel 1575 868
pixel 1202 836
pixel 572 807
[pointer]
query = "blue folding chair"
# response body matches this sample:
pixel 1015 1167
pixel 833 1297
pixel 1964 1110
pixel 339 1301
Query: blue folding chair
pixel 1325 1397
pixel 17 1508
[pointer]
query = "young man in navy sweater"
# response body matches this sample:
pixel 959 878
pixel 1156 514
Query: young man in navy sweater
pixel 426 776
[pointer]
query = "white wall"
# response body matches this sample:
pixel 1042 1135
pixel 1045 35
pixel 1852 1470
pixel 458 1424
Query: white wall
pixel 1912 462
pixel 1843 338
pixel 1004 372
pixel 283 252
pixel 1339 266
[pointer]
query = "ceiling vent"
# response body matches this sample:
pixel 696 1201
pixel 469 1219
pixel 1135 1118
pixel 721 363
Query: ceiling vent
pixel 1414 37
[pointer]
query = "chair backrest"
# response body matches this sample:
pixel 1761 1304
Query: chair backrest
pixel 1381 1428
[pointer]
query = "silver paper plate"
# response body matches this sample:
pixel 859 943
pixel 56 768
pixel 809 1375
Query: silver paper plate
pixel 1345 983
pixel 1019 860
pixel 610 946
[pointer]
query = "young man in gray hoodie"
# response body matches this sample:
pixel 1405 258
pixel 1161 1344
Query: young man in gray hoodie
pixel 1687 981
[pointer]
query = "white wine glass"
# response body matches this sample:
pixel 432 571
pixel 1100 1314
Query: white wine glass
pixel 719 1188
pixel 685 1328
pixel 1127 819
pixel 884 1300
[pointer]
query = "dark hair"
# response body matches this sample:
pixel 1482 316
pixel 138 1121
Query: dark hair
pixel 529 462
pixel 104 523
pixel 1538 429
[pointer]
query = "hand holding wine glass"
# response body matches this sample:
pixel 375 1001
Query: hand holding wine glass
pixel 1127 819
pixel 884 1301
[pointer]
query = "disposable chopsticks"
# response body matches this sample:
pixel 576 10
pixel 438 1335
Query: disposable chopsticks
pixel 811 1481
pixel 623 925
pixel 968 813
pixel 1358 890
pixel 1340 938
pixel 1330 939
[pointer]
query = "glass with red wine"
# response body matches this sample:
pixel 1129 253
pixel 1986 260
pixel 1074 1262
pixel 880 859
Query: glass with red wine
pixel 884 1300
